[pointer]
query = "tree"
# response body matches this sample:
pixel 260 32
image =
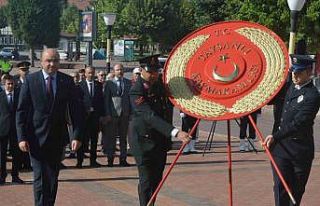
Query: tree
pixel 69 20
pixel 36 22
pixel 3 17
pixel 151 21
pixel 208 11
pixel 276 16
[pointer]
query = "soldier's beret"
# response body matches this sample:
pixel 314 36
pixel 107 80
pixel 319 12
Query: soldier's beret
pixel 300 62
pixel 24 65
pixel 150 63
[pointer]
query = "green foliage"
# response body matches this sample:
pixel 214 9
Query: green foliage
pixel 69 20
pixel 166 22
pixel 3 17
pixel 275 14
pixel 208 11
pixel 35 21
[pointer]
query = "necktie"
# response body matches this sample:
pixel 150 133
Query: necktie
pixel 10 101
pixel 49 88
pixel 119 87
pixel 91 89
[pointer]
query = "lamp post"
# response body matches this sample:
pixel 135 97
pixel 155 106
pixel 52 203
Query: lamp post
pixel 295 6
pixel 109 19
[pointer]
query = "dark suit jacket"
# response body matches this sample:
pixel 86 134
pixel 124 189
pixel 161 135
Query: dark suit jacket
pixel 113 101
pixel 17 81
pixel 95 102
pixel 294 139
pixel 40 125
pixel 7 116
pixel 145 122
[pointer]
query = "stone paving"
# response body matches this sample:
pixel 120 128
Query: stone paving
pixel 196 180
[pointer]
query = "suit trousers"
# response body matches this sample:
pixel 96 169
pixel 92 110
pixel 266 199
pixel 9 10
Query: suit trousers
pixel 15 155
pixel 150 169
pixel 117 127
pixel 244 122
pixel 45 183
pixel 296 174
pixel 91 135
pixel 187 124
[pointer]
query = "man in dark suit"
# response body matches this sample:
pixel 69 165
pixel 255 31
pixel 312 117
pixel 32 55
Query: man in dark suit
pixel 292 144
pixel 8 133
pixel 41 123
pixel 117 108
pixel 150 132
pixel 92 98
pixel 23 71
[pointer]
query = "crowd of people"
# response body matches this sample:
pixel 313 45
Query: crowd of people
pixel 43 113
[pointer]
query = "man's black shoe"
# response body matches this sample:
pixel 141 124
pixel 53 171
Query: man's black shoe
pixel 124 163
pixel 110 163
pixel 17 180
pixel 2 180
pixel 79 165
pixel 95 164
pixel 62 166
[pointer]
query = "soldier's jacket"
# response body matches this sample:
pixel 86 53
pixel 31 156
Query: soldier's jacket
pixel 150 131
pixel 294 138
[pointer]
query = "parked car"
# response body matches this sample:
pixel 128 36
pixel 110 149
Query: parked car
pixel 63 54
pixel 9 53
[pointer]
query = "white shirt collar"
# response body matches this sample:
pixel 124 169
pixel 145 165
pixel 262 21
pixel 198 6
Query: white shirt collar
pixel 298 87
pixel 7 93
pixel 45 75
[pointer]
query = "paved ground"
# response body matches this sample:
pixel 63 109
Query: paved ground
pixel 196 180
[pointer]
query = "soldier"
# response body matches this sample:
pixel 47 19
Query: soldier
pixel 151 133
pixel 292 144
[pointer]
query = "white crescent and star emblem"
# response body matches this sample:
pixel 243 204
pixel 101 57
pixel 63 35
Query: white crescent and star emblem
pixel 228 78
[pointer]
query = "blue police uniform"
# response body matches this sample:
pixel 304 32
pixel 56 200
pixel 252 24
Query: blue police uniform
pixel 293 149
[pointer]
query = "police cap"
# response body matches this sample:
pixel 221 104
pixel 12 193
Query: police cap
pixel 300 62
pixel 150 63
pixel 24 65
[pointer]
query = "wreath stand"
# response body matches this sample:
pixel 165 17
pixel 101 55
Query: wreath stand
pixel 259 134
pixel 209 141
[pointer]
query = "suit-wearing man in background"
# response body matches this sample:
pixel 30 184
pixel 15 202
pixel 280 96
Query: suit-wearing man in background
pixel 92 98
pixel 8 133
pixel 23 71
pixel 41 123
pixel 150 132
pixel 292 144
pixel 187 124
pixel 117 109
pixel 247 142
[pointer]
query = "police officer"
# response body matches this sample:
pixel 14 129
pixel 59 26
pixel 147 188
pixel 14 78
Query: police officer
pixel 292 145
pixel 23 71
pixel 150 132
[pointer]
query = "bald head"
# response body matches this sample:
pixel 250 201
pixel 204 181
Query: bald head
pixel 50 60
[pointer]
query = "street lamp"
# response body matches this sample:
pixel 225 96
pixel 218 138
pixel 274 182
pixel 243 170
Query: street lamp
pixel 109 19
pixel 295 6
